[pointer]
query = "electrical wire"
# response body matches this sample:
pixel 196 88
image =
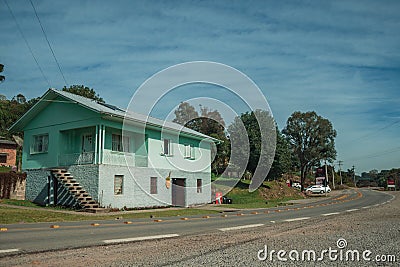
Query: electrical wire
pixel 27 44
pixel 48 43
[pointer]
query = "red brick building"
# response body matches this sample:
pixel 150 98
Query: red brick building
pixel 8 153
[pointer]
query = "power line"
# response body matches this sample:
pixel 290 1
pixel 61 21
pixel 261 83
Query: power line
pixel 375 155
pixel 27 44
pixel 47 40
pixel 373 133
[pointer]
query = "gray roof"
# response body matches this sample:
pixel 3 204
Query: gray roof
pixel 7 142
pixel 107 109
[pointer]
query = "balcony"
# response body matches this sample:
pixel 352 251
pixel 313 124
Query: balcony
pixel 76 159
pixel 108 157
pixel 124 159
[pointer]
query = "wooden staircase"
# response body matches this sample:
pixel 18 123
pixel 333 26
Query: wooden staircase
pixel 75 189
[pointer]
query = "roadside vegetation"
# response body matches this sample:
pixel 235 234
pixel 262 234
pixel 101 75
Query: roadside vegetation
pixel 269 194
pixel 10 214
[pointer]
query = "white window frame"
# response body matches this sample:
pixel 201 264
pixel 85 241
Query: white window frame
pixel 188 152
pixel 120 143
pixel 199 189
pixel 121 186
pixel 166 149
pixel 40 143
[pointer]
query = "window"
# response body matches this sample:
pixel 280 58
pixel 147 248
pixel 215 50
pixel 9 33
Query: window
pixel 118 184
pixel 167 147
pixel 40 143
pixel 189 152
pixel 153 185
pixel 3 158
pixel 199 185
pixel 120 143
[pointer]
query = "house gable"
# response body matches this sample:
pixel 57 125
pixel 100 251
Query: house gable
pixel 61 111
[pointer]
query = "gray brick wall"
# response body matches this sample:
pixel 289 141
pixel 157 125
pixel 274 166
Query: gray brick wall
pixel 41 190
pixel 87 177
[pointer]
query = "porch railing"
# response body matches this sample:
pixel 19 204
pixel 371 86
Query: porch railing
pixel 108 157
pixel 76 158
pixel 124 159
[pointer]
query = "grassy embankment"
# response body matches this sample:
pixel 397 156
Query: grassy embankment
pixel 269 194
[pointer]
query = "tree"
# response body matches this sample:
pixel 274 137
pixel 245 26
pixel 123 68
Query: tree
pixel 11 111
pixel 311 138
pixel 83 91
pixel 282 161
pixel 248 141
pixel 186 115
pixel 210 123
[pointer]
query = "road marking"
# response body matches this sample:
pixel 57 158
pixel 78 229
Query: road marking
pixel 351 210
pixel 376 205
pixel 9 250
pixel 297 219
pixel 142 238
pixel 366 207
pixel 241 227
pixel 329 214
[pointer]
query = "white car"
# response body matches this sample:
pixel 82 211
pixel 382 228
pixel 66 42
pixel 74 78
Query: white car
pixel 318 189
pixel 296 185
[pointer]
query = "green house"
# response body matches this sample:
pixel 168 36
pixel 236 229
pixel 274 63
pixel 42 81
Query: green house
pixel 81 152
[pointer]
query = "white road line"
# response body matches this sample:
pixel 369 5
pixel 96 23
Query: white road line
pixel 329 214
pixel 366 207
pixel 241 227
pixel 142 238
pixel 351 210
pixel 297 219
pixel 376 205
pixel 9 250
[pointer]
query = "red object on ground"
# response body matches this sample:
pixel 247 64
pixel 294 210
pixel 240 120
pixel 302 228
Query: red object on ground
pixel 218 198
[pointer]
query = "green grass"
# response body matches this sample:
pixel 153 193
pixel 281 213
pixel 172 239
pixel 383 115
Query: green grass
pixel 5 169
pixel 242 199
pixel 22 203
pixel 15 215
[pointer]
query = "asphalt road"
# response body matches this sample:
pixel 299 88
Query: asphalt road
pixel 39 237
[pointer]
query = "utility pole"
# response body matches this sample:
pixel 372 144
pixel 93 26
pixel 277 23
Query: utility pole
pixel 333 176
pixel 326 176
pixel 340 171
pixel 354 175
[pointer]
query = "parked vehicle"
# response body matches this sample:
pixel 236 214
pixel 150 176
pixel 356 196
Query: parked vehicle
pixel 318 189
pixel 296 185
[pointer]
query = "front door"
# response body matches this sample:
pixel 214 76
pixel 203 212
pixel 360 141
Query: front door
pixel 178 192
pixel 87 143
pixel 87 155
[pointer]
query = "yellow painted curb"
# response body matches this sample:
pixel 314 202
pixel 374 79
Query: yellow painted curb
pixel 128 222
pixel 184 219
pixel 158 220
pixel 206 217
pixel 3 229
pixel 254 212
pixel 95 224
pixel 54 226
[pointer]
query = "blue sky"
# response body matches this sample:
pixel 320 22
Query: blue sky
pixel 339 58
